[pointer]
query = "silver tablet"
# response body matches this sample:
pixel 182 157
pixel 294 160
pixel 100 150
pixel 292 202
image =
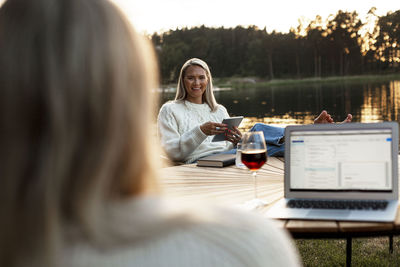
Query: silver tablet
pixel 233 121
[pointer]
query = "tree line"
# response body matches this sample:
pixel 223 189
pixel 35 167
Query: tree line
pixel 340 45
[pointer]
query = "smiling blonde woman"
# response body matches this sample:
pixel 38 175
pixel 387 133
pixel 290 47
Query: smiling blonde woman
pixel 187 124
pixel 78 183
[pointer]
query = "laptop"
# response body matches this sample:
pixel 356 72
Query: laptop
pixel 345 172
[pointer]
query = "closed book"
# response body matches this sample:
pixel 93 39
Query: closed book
pixel 218 160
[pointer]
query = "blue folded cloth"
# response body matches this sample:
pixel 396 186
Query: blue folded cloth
pixel 273 138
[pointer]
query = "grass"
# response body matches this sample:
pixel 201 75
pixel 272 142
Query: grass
pixel 244 82
pixel 236 82
pixel 365 252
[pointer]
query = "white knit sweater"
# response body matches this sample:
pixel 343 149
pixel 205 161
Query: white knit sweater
pixel 149 233
pixel 180 134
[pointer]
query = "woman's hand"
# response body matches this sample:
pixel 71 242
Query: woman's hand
pixel 233 136
pixel 213 128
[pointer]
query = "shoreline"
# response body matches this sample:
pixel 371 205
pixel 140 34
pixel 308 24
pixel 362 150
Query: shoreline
pixel 238 82
pixel 259 82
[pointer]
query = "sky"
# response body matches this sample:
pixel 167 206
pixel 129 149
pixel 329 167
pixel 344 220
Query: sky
pixel 149 16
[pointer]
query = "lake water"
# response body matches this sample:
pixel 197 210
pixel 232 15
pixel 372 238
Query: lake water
pixel 301 103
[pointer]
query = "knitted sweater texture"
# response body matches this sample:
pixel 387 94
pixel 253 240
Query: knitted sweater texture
pixel 147 233
pixel 180 134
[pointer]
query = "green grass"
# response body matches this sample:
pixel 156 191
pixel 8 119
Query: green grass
pixel 365 252
pixel 236 82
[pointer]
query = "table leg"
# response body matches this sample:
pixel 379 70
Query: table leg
pixel 391 244
pixel 348 251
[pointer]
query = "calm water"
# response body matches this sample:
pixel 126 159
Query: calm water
pixel 300 104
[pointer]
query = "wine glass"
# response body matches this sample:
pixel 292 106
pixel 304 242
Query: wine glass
pixel 254 155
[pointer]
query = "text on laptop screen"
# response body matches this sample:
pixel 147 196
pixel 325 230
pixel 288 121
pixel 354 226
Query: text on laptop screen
pixel 341 160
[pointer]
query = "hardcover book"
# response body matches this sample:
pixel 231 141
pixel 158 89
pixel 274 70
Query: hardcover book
pixel 218 160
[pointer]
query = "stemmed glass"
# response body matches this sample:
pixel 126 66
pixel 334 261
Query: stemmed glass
pixel 254 155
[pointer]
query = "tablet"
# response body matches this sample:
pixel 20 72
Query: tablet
pixel 233 121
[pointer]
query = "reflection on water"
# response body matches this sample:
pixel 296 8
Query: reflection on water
pixel 381 103
pixel 300 104
pixel 281 121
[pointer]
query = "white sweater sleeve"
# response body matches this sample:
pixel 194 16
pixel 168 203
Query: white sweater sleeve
pixel 176 146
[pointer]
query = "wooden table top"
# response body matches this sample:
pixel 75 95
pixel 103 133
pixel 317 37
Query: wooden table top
pixel 232 186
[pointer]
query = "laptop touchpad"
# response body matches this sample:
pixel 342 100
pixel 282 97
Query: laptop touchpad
pixel 319 213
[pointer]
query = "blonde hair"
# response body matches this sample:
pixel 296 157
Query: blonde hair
pixel 208 96
pixel 75 111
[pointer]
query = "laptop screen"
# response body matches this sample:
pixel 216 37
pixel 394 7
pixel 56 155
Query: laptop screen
pixel 341 160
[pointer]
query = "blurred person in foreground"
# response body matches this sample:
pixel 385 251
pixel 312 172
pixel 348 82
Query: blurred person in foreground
pixel 186 125
pixel 78 183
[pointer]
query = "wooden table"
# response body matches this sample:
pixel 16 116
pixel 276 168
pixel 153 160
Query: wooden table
pixel 232 186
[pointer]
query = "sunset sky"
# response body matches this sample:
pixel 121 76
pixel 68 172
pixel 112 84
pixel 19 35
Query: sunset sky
pixel 160 15
pixel 150 16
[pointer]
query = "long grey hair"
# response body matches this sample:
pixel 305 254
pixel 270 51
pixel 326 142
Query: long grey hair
pixel 74 115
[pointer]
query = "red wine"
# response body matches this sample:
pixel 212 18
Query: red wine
pixel 254 159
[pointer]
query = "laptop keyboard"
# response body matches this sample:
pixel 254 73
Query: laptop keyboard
pixel 338 204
